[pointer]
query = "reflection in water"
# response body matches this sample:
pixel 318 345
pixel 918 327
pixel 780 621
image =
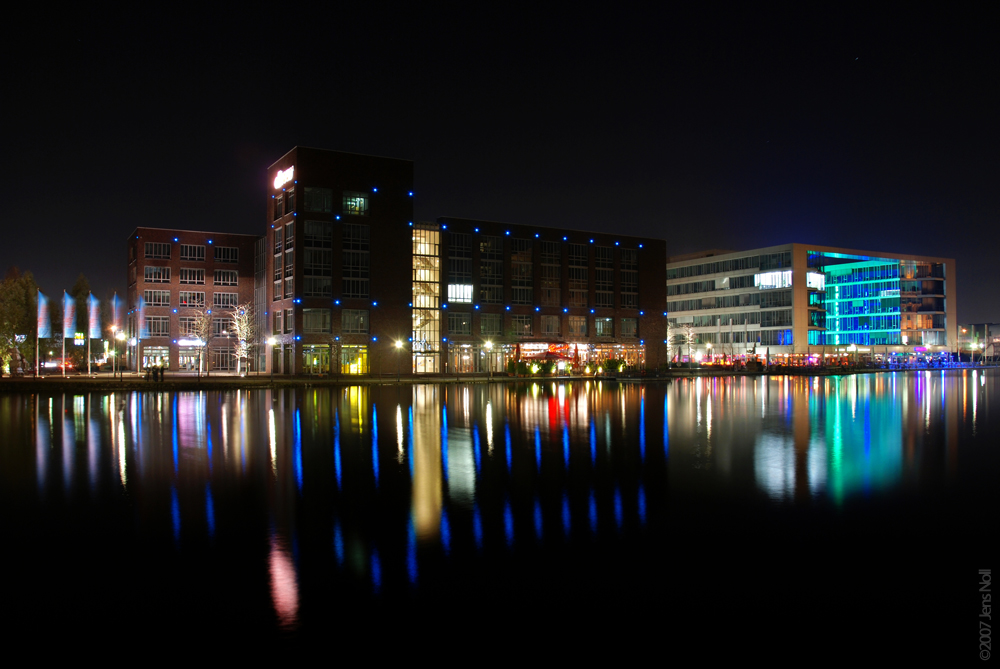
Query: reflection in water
pixel 476 469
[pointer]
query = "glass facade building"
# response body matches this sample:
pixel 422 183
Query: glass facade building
pixel 801 299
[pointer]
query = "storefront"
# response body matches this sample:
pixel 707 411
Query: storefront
pixel 155 356
pixel 316 359
pixel 353 359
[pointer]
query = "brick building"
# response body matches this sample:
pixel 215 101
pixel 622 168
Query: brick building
pixel 177 278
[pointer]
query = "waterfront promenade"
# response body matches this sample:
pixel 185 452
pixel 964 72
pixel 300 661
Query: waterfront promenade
pixel 185 381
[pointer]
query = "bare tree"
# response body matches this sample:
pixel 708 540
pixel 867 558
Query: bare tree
pixel 689 338
pixel 201 330
pixel 242 324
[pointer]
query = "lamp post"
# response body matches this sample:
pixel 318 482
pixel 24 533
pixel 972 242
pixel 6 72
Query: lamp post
pixel 271 342
pixel 114 357
pixel 399 349
pixel 489 348
pixel 119 336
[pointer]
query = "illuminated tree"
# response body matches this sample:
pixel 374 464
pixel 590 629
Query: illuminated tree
pixel 242 323
pixel 18 306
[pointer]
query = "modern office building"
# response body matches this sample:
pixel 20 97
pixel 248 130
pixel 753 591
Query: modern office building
pixel 527 293
pixel 337 256
pixel 178 282
pixel 800 299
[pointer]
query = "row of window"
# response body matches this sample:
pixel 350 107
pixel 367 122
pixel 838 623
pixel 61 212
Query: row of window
pixel 768 261
pixel 319 321
pixel 163 251
pixel 191 299
pixel 187 275
pixel 321 200
pixel 765 300
pixel 159 326
pixel 491 325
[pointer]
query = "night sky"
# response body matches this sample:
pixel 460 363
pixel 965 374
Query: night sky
pixel 711 130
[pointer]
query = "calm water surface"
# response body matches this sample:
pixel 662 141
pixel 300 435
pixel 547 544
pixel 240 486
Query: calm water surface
pixel 778 507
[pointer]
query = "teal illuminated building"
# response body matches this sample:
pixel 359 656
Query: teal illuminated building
pixel 800 299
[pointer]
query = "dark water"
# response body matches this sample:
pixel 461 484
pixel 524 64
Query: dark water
pixel 742 516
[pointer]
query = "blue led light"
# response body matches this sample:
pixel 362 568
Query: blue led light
pixel 175 239
pixel 640 246
pixel 374 338
pixel 664 313
pixel 338 217
pixel 591 311
pixel 411 338
pixel 410 304
pixel 209 241
pixel 411 224
pixel 508 232
pixel 477 229
pixel 565 238
pixel 536 235
pixel 642 341
pixel 444 226
pixel 565 310
pixel 336 338
pixel 374 304
pixel 374 190
pixel 476 307
pixel 508 308
pixel 444 339
pixel 591 241
pixel 298 337
pixel 616 243
pixel 175 311
pixel 642 313
pixel 336 301
pixel 538 308
pixel 411 193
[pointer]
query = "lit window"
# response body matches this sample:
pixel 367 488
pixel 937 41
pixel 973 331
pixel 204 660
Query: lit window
pixel 604 327
pixel 355 204
pixel 459 292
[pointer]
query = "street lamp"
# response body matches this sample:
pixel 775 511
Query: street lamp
pixel 709 349
pixel 119 336
pixel 489 347
pixel 399 349
pixel 271 342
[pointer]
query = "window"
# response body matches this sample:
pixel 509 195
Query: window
pixel 578 288
pixel 189 298
pixel 226 277
pixel 192 252
pixel 629 286
pixel 157 298
pixel 356 247
pixel 317 286
pixel 192 276
pixel 289 287
pixel 276 325
pixel 278 206
pixel 225 300
pixel 222 327
pixel 491 269
pixel 521 325
pixel 290 235
pixel 277 290
pixel 188 326
pixel 354 321
pixel 460 324
pixel 279 238
pixel 157 250
pixel 227 254
pixel 578 326
pixel 604 285
pixel 159 326
pixel 459 292
pixel 550 285
pixel 318 199
pixel 318 234
pixel 290 200
pixel 520 295
pixel 355 204
pixel 604 327
pixel 550 326
pixel 491 324
pixel 315 321
pixel 630 327
pixel 289 320
pixel 157 274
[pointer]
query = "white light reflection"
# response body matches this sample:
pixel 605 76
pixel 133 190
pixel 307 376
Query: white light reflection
pixel 274 446
pixel 399 433
pixel 284 583
pixel 489 427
